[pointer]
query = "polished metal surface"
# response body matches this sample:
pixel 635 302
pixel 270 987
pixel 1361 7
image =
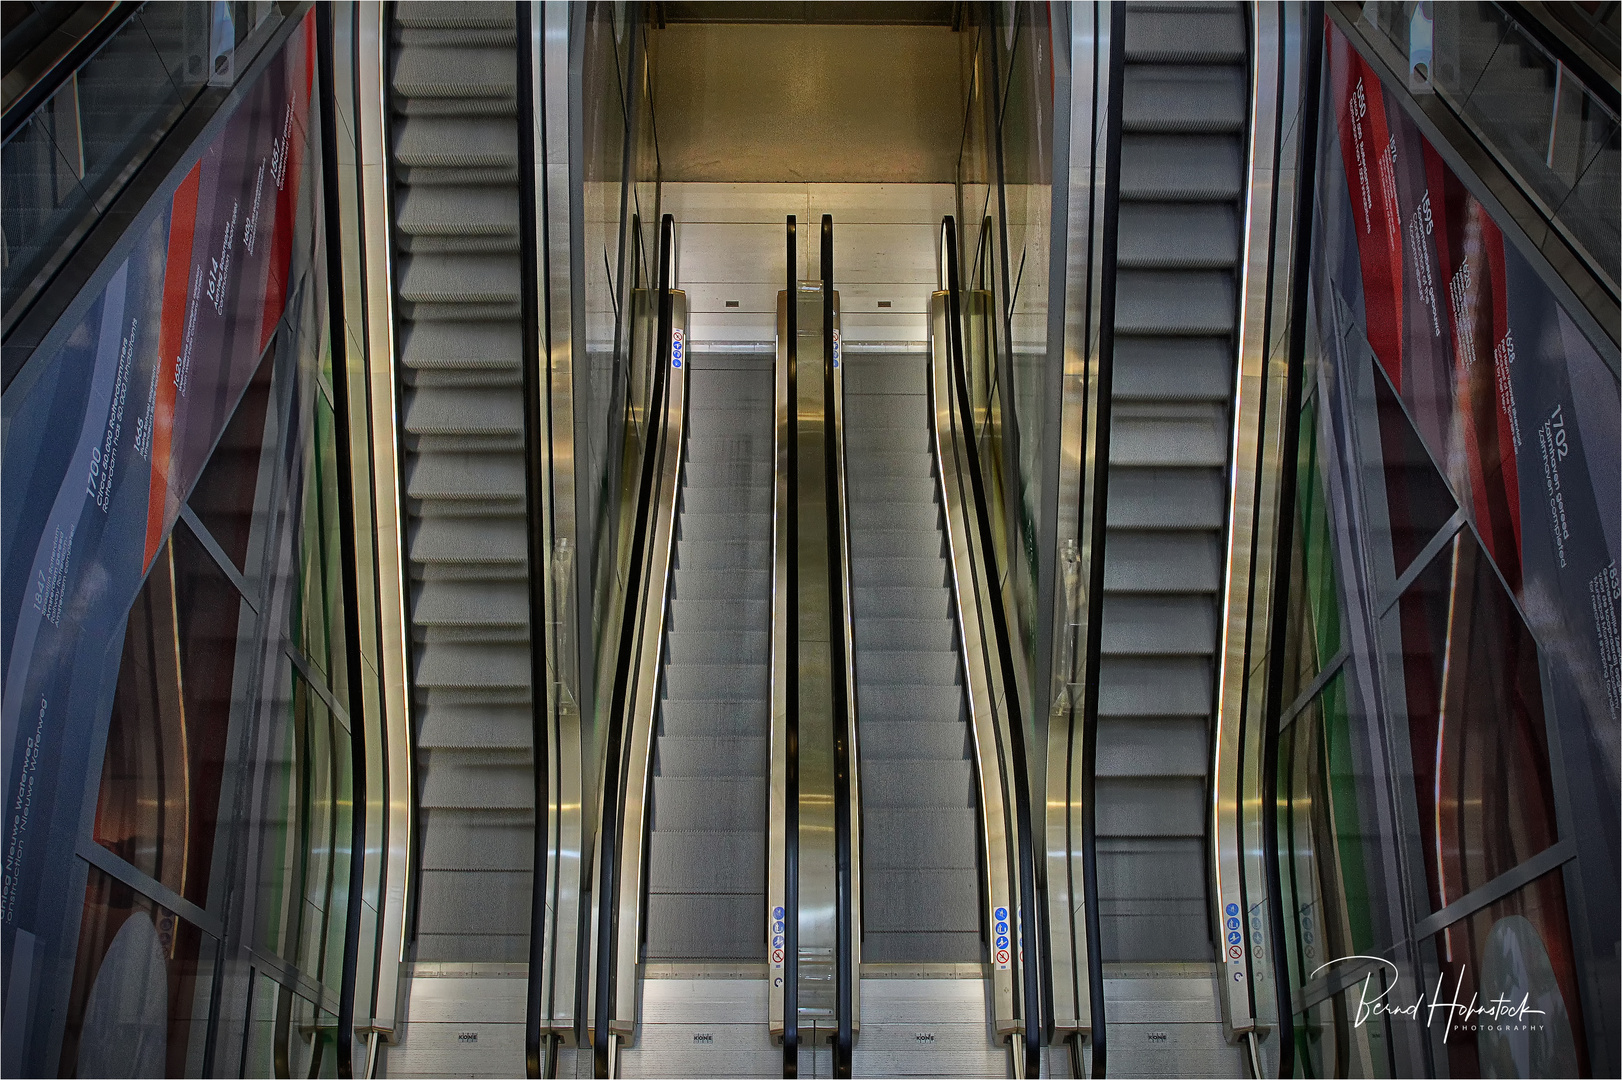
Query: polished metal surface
pixel 643 700
pixel 1088 113
pixel 1247 560
pixel 777 799
pixel 558 113
pixel 376 216
pixel 1000 884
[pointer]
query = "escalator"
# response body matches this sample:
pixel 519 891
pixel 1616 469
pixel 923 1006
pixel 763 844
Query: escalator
pixel 454 161
pixel 1185 104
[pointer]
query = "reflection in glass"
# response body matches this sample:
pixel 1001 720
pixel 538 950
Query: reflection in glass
pixel 141 987
pixel 225 495
pixel 1314 611
pixel 1418 500
pixel 1475 724
pixel 160 785
pixel 1515 952
pixel 1330 1040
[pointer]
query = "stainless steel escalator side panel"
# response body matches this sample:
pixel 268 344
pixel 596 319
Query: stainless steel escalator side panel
pixel 853 710
pixel 999 882
pixel 389 519
pixel 1239 889
pixel 817 898
pixel 777 824
pixel 1085 192
pixel 644 701
pixel 557 113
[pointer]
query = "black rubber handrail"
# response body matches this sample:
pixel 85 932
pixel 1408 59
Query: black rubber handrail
pixel 18 111
pixel 791 687
pixel 614 776
pixel 1028 926
pixel 1284 539
pixel 326 73
pixel 1098 539
pixel 535 485
pixel 844 1043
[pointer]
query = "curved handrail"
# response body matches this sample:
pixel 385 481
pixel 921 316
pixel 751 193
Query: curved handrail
pixel 1028 925
pixel 1300 300
pixel 614 771
pixel 534 390
pixel 791 686
pixel 350 571
pixel 838 670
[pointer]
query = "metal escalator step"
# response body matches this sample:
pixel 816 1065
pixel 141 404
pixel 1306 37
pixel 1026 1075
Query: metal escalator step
pixel 1177 236
pixel 1150 746
pixel 740 716
pixel 712 755
pixel 720 584
pixel 878 543
pixel 465 901
pixel 470 603
pixel 731 475
pixel 1158 806
pixel 1163 561
pixel 478 840
pixel 487 727
pixel 1185 36
pixel 473 667
pixel 708 682
pixel 1182 302
pixel 885 440
pixel 880 463
pixel 1175 98
pixel 716 646
pixel 714 863
pixel 494 37
pixel 921 946
pixel 464 412
pixel 1138 624
pixel 723 803
pixel 468 540
pixel 720 615
pixel 466 477
pixel 888 701
pixel 882 634
pixel 926 572
pixel 917 784
pixel 1182 368
pixel 1169 435
pixel 906 517
pixel 909 667
pixel 903 899
pixel 706 927
pixel 907 836
pixel 918 490
pixel 694 525
pixel 915 740
pixel 460 279
pixel 737 500
pixel 876 412
pixel 695 554
pixel 455 14
pixel 471 212
pixel 1130 686
pixel 455 73
pixel 1181 167
pixel 434 346
pixel 1151 498
pixel 904 602
pixel 714 449
pixel 425 142
pixel 452 782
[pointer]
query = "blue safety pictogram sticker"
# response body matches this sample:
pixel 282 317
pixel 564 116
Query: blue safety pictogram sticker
pixel 1001 914
pixel 1002 943
pixel 1002 928
pixel 777 912
pixel 1233 909
pixel 1234 938
pixel 1233 922
pixel 676 348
